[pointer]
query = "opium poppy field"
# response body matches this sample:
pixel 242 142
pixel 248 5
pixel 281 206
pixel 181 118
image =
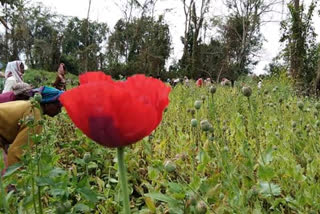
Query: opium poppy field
pixel 217 149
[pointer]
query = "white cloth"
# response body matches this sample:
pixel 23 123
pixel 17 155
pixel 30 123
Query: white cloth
pixel 12 75
pixel 9 84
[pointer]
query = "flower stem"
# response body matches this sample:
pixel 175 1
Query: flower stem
pixel 2 191
pixel 123 180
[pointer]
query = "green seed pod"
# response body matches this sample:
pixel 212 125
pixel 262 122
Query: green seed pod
pixel 170 166
pixel 205 125
pixel 194 122
pixel 37 97
pixel 300 105
pixel 246 91
pixel 221 196
pixel 86 157
pixel 317 106
pixel 294 124
pixel 68 205
pixel 201 207
pixel 213 89
pixel 203 98
pixel 280 100
pixel 192 199
pixel 197 104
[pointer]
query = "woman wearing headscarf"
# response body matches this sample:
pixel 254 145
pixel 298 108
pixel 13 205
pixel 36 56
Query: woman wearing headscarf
pixel 20 91
pixel 13 74
pixel 14 134
pixel 60 82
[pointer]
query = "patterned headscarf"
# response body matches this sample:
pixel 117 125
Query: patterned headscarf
pixel 49 94
pixel 13 69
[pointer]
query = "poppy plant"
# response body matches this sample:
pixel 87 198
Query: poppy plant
pixel 116 114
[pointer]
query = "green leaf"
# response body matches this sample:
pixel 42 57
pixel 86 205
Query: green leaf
pixel 175 187
pixel 88 194
pixel 92 165
pixel 11 169
pixel 57 192
pixel 269 189
pixel 44 181
pixel 266 157
pixel 161 197
pixel 57 172
pixel 81 208
pixel 150 204
pixel 265 173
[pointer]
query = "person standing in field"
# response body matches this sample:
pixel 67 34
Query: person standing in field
pixel 14 134
pixel 60 82
pixel 13 75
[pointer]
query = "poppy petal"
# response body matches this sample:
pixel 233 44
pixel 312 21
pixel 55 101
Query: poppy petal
pixel 120 113
pixel 94 76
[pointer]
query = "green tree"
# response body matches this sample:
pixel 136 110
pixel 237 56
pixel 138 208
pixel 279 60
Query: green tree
pixel 77 46
pixel 301 51
pixel 141 46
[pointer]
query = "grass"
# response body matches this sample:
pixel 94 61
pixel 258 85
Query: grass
pixel 262 156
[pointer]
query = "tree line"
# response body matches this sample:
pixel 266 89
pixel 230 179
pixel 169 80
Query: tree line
pixel 140 41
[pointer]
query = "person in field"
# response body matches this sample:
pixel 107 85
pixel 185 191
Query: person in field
pixel 20 91
pixel 13 75
pixel 60 82
pixel 199 82
pixel 14 134
pixel 226 82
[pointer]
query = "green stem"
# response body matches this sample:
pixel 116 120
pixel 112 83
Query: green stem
pixel 123 180
pixel 2 192
pixel 39 174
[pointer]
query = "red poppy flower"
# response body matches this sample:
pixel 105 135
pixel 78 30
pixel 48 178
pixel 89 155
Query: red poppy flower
pixel 117 114
pixel 94 76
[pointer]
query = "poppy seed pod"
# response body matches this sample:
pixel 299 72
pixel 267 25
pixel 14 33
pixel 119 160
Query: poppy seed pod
pixel 197 104
pixel 246 91
pixel 201 207
pixel 86 157
pixel 205 125
pixel 192 199
pixel 170 166
pixel 194 122
pixel 213 89
pixel 294 124
pixel 37 97
pixel 203 98
pixel 317 106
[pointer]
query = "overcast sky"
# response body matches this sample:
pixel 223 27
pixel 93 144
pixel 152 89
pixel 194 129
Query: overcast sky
pixel 109 11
